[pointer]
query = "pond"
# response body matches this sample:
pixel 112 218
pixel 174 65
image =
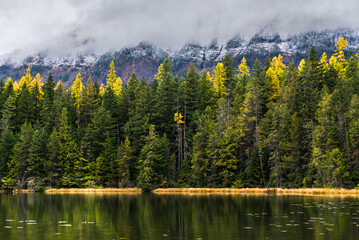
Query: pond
pixel 151 216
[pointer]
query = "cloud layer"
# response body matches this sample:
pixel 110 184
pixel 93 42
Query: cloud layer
pixel 66 27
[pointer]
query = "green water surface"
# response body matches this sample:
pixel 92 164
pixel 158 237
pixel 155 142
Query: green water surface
pixel 150 216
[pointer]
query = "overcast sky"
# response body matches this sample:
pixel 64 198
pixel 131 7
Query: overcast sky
pixel 63 27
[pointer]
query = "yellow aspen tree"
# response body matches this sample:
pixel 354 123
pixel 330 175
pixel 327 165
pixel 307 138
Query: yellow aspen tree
pixel 159 73
pixel 117 86
pixel 333 61
pixel 243 69
pixel 178 118
pixel 111 76
pixel 301 65
pixel 37 79
pixel 339 62
pixel 339 49
pixel 272 82
pixel 278 65
pixel 102 89
pixel 16 87
pixel 324 62
pixel 219 78
pixel 76 90
pixel 59 85
pixel 26 79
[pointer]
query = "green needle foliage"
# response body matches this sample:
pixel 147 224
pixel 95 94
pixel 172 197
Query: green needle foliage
pixel 272 125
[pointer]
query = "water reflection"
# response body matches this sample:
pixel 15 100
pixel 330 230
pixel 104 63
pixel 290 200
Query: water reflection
pixel 150 216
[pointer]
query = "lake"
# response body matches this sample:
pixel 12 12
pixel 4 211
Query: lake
pixel 151 216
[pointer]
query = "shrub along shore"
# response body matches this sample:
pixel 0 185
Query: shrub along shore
pixel 332 192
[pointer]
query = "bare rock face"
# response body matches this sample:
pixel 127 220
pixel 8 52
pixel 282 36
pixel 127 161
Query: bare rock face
pixel 145 58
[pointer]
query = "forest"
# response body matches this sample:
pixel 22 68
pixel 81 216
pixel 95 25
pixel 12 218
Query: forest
pixel 273 125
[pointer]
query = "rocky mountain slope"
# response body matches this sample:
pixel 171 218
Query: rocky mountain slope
pixel 144 59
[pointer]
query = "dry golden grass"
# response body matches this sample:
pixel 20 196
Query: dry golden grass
pixel 92 190
pixel 261 191
pixel 328 192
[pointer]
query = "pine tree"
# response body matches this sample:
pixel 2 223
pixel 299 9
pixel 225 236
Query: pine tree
pixel 7 142
pixel 201 161
pixel 153 162
pixel 62 151
pixel 25 107
pixel 166 101
pixel 91 101
pixel 204 92
pixel 229 75
pixel 137 126
pixel 353 135
pixel 19 163
pixel 47 113
pixel 37 158
pixel 125 159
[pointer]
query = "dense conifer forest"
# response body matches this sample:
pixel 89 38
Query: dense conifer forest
pixel 273 125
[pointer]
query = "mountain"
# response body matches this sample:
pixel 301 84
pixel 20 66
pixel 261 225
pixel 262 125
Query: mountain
pixel 144 59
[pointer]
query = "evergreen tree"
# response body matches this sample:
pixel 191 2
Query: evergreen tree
pixel 24 107
pixel 37 158
pixel 47 114
pixel 19 163
pixel 153 162
pixel 62 150
pixel 125 160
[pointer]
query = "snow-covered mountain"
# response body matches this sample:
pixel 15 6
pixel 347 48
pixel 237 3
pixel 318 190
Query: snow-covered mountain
pixel 145 58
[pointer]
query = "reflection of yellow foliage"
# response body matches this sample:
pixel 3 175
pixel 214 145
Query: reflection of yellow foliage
pixel 178 118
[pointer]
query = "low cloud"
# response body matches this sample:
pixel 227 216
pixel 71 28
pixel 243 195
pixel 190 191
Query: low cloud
pixel 66 27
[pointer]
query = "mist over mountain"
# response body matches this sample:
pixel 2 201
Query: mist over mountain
pixel 144 59
pixel 66 37
pixel 68 28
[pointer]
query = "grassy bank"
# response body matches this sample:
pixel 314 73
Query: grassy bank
pixel 196 191
pixel 92 190
pixel 261 191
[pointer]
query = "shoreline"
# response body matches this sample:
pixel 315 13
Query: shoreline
pixel 262 191
pixel 205 191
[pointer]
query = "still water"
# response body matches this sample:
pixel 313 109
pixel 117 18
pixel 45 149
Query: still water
pixel 150 216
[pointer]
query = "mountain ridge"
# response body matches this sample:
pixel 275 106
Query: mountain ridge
pixel 144 59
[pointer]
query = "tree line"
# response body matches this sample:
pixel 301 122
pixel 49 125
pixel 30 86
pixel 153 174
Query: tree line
pixel 273 125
